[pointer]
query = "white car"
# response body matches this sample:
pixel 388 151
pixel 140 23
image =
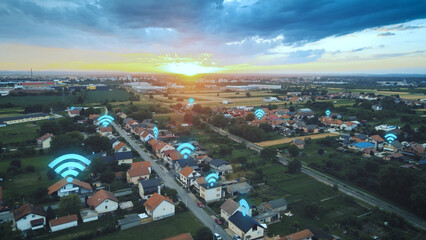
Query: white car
pixel 217 236
pixel 236 237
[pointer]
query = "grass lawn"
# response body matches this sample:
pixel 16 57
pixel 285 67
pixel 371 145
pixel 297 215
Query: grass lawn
pixel 20 132
pixel 180 223
pixel 7 112
pixel 101 96
pixel 25 183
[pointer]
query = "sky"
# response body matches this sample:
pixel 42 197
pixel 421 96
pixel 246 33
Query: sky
pixel 214 36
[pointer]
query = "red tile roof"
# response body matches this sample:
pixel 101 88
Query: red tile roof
pixel 186 171
pixel 55 187
pixel 304 234
pixel 183 236
pixel 99 197
pixel 26 209
pixel 136 172
pixel 44 137
pixel 63 220
pixel 143 164
pixel 155 200
pixel 377 138
pixel 118 146
pixel 173 154
pixel 105 129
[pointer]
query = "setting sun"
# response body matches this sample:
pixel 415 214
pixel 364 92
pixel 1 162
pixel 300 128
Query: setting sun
pixel 188 68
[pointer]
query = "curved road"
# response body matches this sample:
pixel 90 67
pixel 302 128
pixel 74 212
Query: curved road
pixel 169 181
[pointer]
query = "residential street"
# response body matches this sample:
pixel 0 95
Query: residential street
pixel 169 181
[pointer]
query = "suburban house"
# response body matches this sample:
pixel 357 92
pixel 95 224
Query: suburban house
pixel 104 131
pixel 44 141
pixel 120 147
pixel 88 215
pixel 159 207
pixel 29 216
pixel 138 171
pixel 149 187
pixel 221 167
pixel 158 147
pixel 188 175
pixel 377 141
pixel 171 156
pixel 377 107
pixel 73 112
pixel 299 143
pixel 123 157
pixel 65 188
pixel 146 135
pixel 301 235
pixel 183 236
pixel 360 146
pixel 228 208
pixel 63 222
pixel 239 188
pixel 211 193
pixel 103 201
pixel 198 182
pixel 270 212
pixel 348 126
pixel 181 163
pixel 310 129
pixel 245 226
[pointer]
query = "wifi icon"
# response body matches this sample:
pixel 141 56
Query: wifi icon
pixel 105 120
pixel 327 113
pixel 68 164
pixel 390 137
pixel 212 178
pixel 244 207
pixel 156 132
pixel 185 149
pixel 259 113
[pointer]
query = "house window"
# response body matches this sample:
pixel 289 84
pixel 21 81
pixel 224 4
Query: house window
pixel 217 189
pixel 217 195
pixel 106 207
pixel 25 217
pixel 33 216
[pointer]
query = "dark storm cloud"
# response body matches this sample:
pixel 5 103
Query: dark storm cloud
pixel 299 21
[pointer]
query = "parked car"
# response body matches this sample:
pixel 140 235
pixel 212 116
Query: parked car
pixel 236 237
pixel 200 204
pixel 218 221
pixel 217 236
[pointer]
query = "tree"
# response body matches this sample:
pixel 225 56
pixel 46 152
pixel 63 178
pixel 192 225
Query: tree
pixel 250 117
pixel 50 127
pixel 151 96
pixel 107 176
pixel 204 234
pixel 70 204
pixel 268 153
pixel 320 151
pixel 97 144
pixel 291 108
pixel 51 174
pixel 39 194
pixel 266 127
pixel 188 118
pixel 293 150
pixel 50 214
pixel 294 166
pixel 219 120
pixel 248 94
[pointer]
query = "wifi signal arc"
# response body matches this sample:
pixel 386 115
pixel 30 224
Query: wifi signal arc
pixel 156 132
pixel 212 178
pixel 185 149
pixel 390 137
pixel 259 113
pixel 60 164
pixel 105 120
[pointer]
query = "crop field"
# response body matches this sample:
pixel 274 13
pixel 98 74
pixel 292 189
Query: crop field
pixel 288 140
pixel 402 94
pixel 19 132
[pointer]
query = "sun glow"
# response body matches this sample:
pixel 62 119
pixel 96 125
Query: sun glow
pixel 188 68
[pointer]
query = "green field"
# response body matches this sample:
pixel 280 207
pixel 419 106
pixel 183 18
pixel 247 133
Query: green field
pixel 92 97
pixel 180 223
pixel 19 132
pixel 25 183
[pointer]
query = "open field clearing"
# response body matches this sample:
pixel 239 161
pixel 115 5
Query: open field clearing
pixel 405 95
pixel 288 140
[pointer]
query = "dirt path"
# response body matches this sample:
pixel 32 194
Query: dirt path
pixel 287 140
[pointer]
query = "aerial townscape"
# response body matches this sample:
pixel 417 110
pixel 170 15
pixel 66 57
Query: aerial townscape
pixel 293 123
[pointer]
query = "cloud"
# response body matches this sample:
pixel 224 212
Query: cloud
pixel 386 34
pixel 361 49
pixel 399 27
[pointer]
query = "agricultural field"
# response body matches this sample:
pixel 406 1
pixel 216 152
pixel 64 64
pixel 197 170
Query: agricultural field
pixel 288 140
pixel 7 112
pixel 404 93
pixel 20 132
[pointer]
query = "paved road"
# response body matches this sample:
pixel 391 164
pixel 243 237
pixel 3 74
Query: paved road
pixel 351 191
pixel 169 181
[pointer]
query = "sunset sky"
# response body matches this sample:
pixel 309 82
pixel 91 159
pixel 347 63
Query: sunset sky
pixel 200 36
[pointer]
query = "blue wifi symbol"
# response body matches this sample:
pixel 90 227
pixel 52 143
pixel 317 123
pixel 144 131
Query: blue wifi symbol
pixel 191 101
pixel 390 137
pixel 327 113
pixel 244 207
pixel 105 120
pixel 212 178
pixel 259 113
pixel 185 149
pixel 67 165
pixel 156 132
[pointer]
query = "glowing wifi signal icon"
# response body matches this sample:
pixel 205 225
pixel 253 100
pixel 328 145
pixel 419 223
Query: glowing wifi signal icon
pixel 156 132
pixel 105 120
pixel 191 101
pixel 390 137
pixel 327 113
pixel 259 113
pixel 185 149
pixel 212 178
pixel 244 207
pixel 68 164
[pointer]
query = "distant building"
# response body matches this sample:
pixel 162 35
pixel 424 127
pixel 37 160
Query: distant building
pixel 148 187
pixel 228 208
pixel 159 207
pixel 64 188
pixel 63 222
pixel 245 226
pixel 29 216
pixel 103 201
pixel 301 235
pixel 44 141
pixel 271 99
pixel 24 118
pixel 239 188
pixel 211 193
